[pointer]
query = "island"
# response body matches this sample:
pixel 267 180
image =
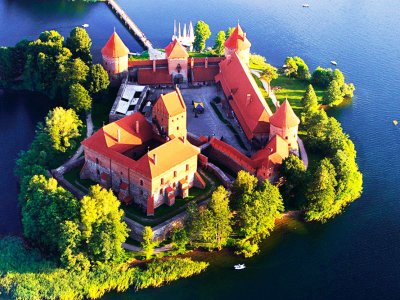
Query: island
pixel 149 158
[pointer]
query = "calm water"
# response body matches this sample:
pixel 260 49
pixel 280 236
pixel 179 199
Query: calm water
pixel 357 255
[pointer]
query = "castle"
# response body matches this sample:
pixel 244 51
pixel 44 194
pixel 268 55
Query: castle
pixel 150 163
pixel 147 163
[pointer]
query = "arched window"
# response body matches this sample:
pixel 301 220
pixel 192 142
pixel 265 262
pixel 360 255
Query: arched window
pixel 97 161
pixel 161 191
pixel 141 182
pixel 187 167
pixel 162 180
pixel 175 173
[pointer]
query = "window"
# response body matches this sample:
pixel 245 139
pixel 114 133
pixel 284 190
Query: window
pixel 162 180
pixel 161 191
pixel 187 167
pixel 174 185
pixel 286 137
pixel 175 173
pixel 97 161
pixel 177 128
pixel 187 177
pixel 141 182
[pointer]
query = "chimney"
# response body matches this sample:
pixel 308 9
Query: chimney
pixel 248 100
pixel 119 135
pixel 155 158
pixel 154 65
pixel 206 63
pixel 137 128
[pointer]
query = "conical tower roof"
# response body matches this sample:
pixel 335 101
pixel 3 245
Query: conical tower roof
pixel 176 50
pixel 237 40
pixel 115 47
pixel 284 117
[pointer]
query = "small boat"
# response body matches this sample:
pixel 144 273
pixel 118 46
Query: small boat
pixel 395 122
pixel 239 267
pixel 306 5
pixel 333 62
pixel 85 25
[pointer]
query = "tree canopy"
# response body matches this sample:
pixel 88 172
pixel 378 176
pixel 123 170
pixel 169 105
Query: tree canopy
pixel 201 33
pixel 79 98
pixel 219 47
pixel 80 43
pixel 62 126
pixel 97 79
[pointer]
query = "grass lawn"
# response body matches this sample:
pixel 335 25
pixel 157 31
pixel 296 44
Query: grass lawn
pixel 264 93
pixel 293 89
pixel 201 54
pixel 143 56
pixel 74 178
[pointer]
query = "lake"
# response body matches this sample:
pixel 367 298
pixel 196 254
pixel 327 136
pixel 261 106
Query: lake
pixel 356 255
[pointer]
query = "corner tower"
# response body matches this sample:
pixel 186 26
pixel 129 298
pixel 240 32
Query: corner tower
pixel 238 42
pixel 285 123
pixel 115 56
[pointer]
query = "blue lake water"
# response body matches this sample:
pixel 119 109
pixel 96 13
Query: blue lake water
pixel 357 255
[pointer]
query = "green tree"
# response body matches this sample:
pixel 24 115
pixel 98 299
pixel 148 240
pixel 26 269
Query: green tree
pixel 201 34
pixel 321 193
pixel 322 77
pixel 219 47
pixel 6 67
pixel 229 31
pixel 179 239
pixel 243 186
pixel 62 126
pixel 256 218
pixel 148 243
pixel 74 71
pixel 98 79
pixel 103 228
pixel 269 73
pixel 294 172
pixel 334 94
pixel 303 72
pixel 46 205
pixel 79 98
pixel 315 123
pixel 291 67
pixel 80 43
pixel 219 206
pixel 310 100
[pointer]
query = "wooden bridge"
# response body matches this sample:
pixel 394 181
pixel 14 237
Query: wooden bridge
pixel 130 24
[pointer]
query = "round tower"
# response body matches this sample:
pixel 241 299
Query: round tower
pixel 238 42
pixel 285 123
pixel 115 56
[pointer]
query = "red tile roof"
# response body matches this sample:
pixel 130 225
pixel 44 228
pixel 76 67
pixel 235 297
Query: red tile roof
pixel 245 97
pixel 284 117
pixel 169 154
pixel 176 50
pixel 115 47
pixel 173 102
pixel 147 76
pixel 274 152
pixel 237 40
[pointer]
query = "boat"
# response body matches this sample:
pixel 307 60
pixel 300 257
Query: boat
pixel 306 5
pixel 85 25
pixel 333 62
pixel 239 267
pixel 395 122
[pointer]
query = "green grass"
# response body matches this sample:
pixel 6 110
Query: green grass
pixel 202 54
pixel 257 62
pixel 143 56
pixel 73 177
pixel 264 92
pixel 293 89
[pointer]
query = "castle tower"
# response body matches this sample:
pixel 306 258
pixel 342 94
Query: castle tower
pixel 177 61
pixel 169 112
pixel 238 42
pixel 115 56
pixel 285 123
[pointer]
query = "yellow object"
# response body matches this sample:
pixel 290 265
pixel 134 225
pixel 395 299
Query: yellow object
pixel 395 122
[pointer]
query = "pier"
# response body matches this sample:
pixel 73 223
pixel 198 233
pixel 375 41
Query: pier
pixel 130 24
